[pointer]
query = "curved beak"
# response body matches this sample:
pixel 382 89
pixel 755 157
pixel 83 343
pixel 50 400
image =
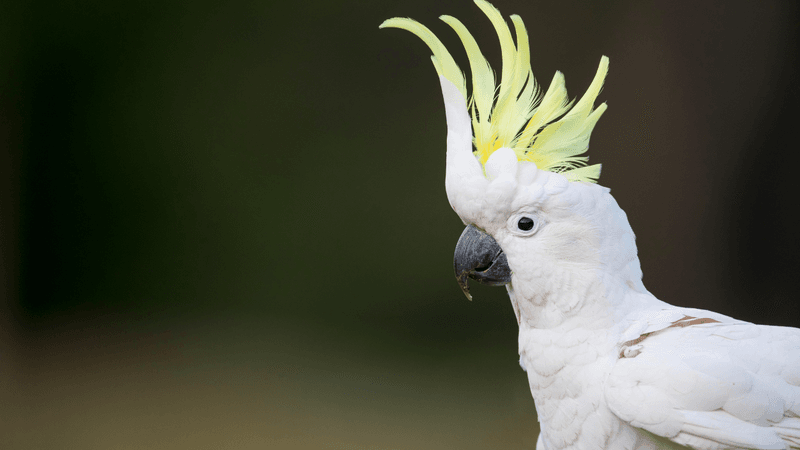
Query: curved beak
pixel 479 256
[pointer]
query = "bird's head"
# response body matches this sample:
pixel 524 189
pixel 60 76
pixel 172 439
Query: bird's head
pixel 516 173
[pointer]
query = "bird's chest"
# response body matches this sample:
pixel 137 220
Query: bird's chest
pixel 566 371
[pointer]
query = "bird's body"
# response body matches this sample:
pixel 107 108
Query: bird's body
pixel 661 377
pixel 609 365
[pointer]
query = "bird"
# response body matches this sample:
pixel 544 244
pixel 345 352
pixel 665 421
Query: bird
pixel 609 365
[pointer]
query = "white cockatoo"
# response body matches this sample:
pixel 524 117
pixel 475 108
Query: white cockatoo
pixel 609 365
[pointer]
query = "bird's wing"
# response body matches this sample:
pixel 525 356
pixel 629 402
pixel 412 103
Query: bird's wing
pixel 712 385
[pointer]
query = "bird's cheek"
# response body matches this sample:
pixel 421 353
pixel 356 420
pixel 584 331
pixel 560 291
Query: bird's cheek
pixel 516 249
pixel 528 272
pixel 516 265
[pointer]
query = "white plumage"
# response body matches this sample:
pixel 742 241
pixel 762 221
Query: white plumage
pixel 612 367
pixel 609 365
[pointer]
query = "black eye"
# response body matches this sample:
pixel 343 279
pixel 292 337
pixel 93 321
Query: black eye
pixel 525 224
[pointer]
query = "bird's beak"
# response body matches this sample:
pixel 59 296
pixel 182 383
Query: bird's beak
pixel 478 256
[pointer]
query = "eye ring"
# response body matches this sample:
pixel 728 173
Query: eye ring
pixel 524 224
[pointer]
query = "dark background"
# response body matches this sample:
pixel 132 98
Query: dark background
pixel 224 223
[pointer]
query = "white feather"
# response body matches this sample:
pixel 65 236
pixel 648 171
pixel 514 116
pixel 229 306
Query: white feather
pixel 609 365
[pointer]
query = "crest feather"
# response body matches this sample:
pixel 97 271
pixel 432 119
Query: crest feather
pixel 546 130
pixel 442 60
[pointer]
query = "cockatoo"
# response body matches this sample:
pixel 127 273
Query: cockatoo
pixel 609 365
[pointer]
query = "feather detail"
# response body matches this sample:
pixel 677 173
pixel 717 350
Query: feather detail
pixel 585 173
pixel 442 60
pixel 546 130
pixel 483 86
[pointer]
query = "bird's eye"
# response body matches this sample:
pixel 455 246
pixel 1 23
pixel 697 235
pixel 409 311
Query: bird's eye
pixel 525 223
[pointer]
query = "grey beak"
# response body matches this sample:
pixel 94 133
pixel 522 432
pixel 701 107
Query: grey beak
pixel 478 256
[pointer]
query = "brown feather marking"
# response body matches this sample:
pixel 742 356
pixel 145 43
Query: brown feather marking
pixel 685 321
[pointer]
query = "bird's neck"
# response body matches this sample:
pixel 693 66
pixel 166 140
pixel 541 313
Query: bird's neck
pixel 566 357
pixel 570 300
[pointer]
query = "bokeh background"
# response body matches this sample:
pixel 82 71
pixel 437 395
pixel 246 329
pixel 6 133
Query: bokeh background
pixel 224 223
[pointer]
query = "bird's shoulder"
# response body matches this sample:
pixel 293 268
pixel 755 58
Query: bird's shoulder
pixel 708 381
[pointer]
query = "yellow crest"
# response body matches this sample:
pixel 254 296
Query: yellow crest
pixel 547 130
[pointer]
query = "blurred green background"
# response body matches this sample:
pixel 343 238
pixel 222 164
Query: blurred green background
pixel 224 223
